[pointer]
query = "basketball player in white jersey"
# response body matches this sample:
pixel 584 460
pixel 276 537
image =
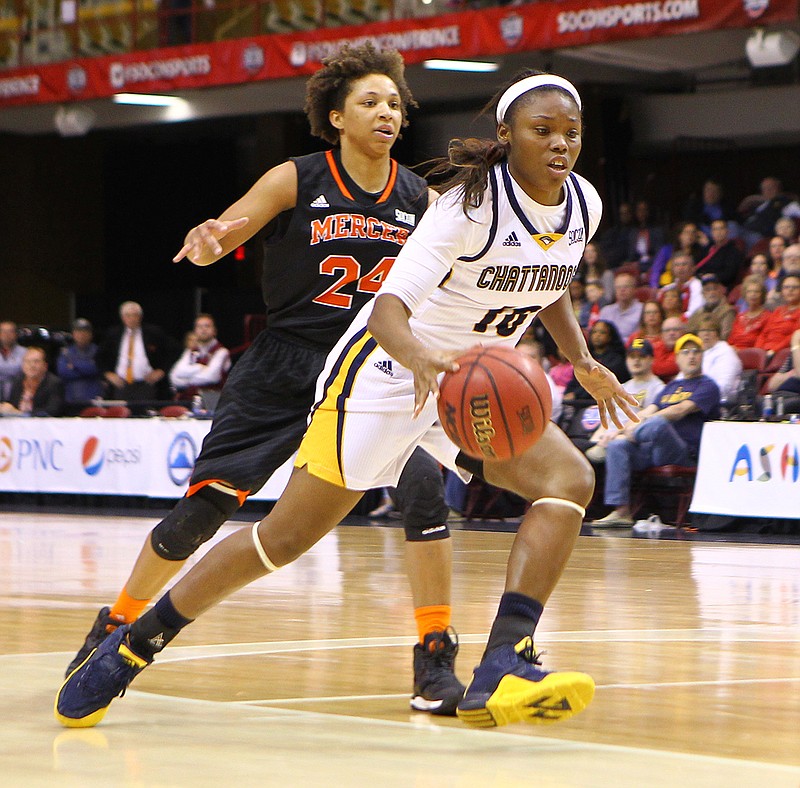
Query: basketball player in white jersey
pixel 496 251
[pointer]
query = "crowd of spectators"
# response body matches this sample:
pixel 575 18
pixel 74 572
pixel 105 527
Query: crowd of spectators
pixel 134 362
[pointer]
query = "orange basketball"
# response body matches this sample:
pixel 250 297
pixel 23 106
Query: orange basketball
pixel 497 405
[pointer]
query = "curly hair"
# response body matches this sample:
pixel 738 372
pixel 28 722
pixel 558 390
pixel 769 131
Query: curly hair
pixel 328 88
pixel 469 160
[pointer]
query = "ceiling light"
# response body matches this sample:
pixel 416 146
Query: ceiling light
pixel 148 100
pixel 461 65
pixel 766 50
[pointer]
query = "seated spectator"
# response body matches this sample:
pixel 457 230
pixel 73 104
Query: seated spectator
pixel 790 264
pixel 616 240
pixel 759 212
pixel 723 257
pixel 688 240
pixel 668 432
pixel 593 266
pixel 760 267
pixel 134 356
pixel 649 323
pixel 11 355
pixel 748 324
pixel 709 207
pixel 561 371
pixel 594 301
pixel 720 361
pixel 784 320
pixel 202 369
pixel 715 305
pixel 687 283
pixel 77 365
pixel 671 302
pixel 786 227
pixel 607 347
pixel 647 237
pixel 643 385
pixel 664 363
pixel 626 311
pixel 786 381
pixel 577 295
pixel 530 345
pixel 35 391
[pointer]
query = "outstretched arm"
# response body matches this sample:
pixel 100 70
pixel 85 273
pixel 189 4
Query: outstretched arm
pixel 273 193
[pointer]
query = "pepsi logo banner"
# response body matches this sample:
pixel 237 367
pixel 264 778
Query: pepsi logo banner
pixel 468 34
pixel 143 457
pixel 749 470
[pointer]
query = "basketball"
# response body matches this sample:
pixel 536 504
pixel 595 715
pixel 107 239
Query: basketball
pixel 497 405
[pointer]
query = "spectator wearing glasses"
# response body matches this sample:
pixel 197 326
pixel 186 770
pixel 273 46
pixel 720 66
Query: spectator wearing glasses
pixel 784 320
pixel 668 431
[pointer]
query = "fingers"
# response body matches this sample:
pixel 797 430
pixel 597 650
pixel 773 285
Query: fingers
pixel 206 237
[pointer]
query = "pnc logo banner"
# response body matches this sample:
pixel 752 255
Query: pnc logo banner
pixel 6 454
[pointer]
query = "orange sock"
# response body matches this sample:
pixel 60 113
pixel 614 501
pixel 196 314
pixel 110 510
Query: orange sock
pixel 431 618
pixel 127 608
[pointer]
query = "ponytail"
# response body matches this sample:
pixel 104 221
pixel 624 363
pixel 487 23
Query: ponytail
pixel 468 162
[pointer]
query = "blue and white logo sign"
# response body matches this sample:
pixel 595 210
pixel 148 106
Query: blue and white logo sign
pixel 181 457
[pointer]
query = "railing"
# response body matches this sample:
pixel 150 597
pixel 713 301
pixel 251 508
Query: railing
pixel 49 31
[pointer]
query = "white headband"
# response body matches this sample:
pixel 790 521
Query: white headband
pixel 530 83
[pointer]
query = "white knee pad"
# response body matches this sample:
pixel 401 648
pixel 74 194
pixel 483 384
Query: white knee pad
pixel 260 549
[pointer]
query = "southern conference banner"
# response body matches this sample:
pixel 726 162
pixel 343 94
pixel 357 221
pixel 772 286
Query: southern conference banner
pixel 749 470
pixel 485 33
pixel 143 457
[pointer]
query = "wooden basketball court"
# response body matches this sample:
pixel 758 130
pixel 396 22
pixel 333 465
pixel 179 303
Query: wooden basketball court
pixel 303 678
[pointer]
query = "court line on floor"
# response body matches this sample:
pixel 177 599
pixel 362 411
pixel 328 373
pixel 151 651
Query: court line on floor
pixel 740 634
pixel 544 742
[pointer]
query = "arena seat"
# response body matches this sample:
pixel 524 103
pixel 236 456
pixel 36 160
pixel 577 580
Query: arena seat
pixel 174 412
pixel 116 412
pixel 93 412
pixel 754 358
pixel 771 367
pixel 672 483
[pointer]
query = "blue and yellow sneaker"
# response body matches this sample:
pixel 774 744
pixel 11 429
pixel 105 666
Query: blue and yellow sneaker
pixel 103 626
pixel 509 686
pixel 436 688
pixel 105 674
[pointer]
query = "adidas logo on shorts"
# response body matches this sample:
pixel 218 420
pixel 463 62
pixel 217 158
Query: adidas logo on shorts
pixel 385 367
pixel 320 202
pixel 512 240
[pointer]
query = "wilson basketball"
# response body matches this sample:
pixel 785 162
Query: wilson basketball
pixel 497 405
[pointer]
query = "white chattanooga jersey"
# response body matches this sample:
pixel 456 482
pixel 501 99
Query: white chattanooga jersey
pixel 465 280
pixel 483 279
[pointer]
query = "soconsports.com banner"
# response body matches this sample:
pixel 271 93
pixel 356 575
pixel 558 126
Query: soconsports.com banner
pixel 749 470
pixel 489 32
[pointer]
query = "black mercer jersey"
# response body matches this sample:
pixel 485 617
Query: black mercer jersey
pixel 329 255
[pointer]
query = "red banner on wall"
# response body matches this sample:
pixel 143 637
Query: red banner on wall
pixel 489 32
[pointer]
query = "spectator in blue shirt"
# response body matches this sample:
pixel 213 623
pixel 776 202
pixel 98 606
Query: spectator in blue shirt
pixel 77 365
pixel 668 432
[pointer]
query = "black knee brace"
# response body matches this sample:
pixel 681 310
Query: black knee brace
pixel 194 520
pixel 420 497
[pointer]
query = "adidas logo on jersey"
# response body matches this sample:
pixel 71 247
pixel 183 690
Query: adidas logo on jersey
pixel 320 202
pixel 512 240
pixel 385 367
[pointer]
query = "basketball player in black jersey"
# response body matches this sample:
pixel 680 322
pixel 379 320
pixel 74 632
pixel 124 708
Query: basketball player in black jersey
pixel 336 221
